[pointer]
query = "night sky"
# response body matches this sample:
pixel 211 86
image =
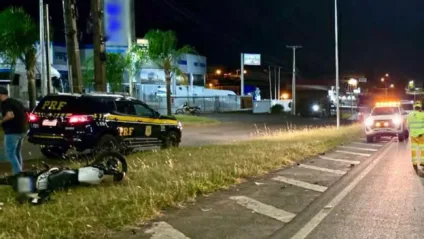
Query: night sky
pixel 376 36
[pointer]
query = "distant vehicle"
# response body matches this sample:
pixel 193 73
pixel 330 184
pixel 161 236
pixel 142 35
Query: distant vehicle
pixel 386 119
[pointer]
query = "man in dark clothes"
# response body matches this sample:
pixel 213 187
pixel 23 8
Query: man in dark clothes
pixel 13 123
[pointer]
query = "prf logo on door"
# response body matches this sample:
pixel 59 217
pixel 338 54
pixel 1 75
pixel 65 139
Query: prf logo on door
pixel 125 131
pixel 53 105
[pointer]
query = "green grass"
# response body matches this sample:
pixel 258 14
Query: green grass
pixel 162 179
pixel 196 120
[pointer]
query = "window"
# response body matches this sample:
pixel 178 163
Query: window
pixel 142 110
pixel 385 111
pixel 408 106
pixel 124 107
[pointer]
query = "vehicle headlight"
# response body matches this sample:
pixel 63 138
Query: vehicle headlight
pixel 315 107
pixel 180 125
pixel 397 120
pixel 369 122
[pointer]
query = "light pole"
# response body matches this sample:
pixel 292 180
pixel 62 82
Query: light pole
pixel 337 62
pixel 294 79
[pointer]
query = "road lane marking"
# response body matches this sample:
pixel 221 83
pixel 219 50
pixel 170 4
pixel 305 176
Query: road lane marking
pixel 340 160
pixel 321 215
pixel 339 172
pixel 368 144
pixel 264 209
pixel 162 230
pixel 301 184
pixel 359 148
pixel 352 153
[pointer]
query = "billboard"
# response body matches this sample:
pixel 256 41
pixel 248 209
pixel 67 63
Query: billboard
pixel 117 22
pixel 252 59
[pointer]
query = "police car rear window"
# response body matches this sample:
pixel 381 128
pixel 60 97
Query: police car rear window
pixel 70 104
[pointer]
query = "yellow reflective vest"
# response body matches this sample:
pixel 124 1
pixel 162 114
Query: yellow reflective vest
pixel 416 123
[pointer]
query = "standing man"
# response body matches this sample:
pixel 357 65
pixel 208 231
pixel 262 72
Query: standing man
pixel 13 122
pixel 416 132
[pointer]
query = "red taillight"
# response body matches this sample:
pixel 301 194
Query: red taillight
pixel 32 117
pixel 77 119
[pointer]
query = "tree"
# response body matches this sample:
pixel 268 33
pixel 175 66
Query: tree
pixel 164 53
pixel 18 34
pixel 135 58
pixel 116 65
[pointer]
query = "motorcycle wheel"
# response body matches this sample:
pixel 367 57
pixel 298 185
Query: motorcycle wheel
pixel 197 112
pixel 179 112
pixel 111 159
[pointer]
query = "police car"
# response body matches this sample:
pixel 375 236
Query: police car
pixel 386 119
pixel 94 121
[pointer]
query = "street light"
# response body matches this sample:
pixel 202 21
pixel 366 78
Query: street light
pixel 387 74
pixel 382 79
pixel 392 86
pixel 218 72
pixel 285 96
pixel 352 83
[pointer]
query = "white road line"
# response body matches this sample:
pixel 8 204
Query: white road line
pixel 264 209
pixel 368 144
pixel 300 184
pixel 352 153
pixel 318 218
pixel 322 169
pixel 162 230
pixel 340 160
pixel 359 148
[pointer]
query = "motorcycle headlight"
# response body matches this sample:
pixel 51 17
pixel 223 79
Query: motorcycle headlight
pixel 397 120
pixel 369 122
pixel 315 108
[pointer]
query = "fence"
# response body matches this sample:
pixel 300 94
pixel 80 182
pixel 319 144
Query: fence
pixel 208 104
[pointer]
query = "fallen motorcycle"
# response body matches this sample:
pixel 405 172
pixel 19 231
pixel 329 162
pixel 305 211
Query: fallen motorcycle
pixel 36 186
pixel 185 109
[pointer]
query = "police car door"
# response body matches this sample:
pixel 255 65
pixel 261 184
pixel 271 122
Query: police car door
pixel 124 120
pixel 150 125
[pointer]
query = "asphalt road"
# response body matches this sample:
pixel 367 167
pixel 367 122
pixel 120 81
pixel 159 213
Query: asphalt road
pixel 357 190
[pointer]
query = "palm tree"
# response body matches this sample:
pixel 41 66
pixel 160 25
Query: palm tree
pixel 163 51
pixel 18 34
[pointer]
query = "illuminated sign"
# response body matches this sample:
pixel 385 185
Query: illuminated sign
pixel 117 22
pixel 252 59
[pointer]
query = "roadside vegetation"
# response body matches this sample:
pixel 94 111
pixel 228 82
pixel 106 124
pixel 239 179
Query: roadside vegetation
pixel 196 120
pixel 161 179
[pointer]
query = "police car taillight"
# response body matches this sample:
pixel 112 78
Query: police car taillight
pixel 32 117
pixel 78 119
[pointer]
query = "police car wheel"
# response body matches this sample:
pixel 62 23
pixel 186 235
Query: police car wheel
pixel 171 140
pixel 107 142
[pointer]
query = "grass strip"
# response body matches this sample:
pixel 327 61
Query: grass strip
pixel 162 179
pixel 196 120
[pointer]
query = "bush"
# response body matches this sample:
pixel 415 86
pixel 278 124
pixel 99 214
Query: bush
pixel 277 109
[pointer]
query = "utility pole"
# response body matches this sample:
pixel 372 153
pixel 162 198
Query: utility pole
pixel 242 75
pixel 294 79
pixel 270 83
pixel 99 46
pixel 275 83
pixel 43 77
pixel 72 46
pixel 336 30
pixel 131 36
pixel 47 27
pixel 279 82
